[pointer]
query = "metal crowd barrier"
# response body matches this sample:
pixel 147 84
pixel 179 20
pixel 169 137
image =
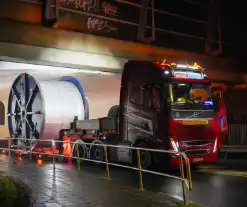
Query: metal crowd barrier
pixel 185 181
pixel 236 140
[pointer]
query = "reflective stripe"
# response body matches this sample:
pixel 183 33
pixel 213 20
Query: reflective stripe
pixel 221 120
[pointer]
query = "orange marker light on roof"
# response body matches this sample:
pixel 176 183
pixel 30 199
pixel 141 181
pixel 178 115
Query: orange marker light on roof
pixel 197 65
pixel 163 62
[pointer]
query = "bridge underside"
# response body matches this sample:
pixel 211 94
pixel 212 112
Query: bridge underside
pixel 29 43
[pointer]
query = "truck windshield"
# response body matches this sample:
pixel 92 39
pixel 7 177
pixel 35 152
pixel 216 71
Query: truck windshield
pixel 192 94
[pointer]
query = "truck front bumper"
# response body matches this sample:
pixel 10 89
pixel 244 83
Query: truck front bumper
pixel 195 159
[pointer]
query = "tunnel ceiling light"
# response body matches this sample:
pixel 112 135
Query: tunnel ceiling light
pixel 33 67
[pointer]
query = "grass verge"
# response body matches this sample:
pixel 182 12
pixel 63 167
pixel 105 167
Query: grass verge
pixel 11 193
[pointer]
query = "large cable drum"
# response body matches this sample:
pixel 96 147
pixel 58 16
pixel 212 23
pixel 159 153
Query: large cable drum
pixel 39 110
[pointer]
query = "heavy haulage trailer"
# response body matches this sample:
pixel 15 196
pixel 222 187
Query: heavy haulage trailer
pixel 157 105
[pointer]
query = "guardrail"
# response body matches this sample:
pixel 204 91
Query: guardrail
pixel 237 135
pixel 185 181
pixel 236 139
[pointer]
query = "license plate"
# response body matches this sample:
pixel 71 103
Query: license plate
pixel 195 122
pixel 197 159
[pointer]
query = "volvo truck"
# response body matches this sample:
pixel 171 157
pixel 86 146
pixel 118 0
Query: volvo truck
pixel 162 105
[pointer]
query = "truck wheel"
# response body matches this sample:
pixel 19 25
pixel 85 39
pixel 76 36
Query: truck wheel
pixel 146 157
pixel 114 113
pixel 97 153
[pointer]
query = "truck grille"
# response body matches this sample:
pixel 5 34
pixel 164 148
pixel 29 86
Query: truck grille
pixel 196 132
pixel 189 114
pixel 196 143
pixel 197 152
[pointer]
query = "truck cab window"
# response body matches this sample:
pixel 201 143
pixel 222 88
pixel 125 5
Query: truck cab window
pixel 147 96
pixel 194 92
pixel 154 96
pixel 158 98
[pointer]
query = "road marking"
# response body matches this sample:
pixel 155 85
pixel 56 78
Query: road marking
pixel 224 172
pixel 209 167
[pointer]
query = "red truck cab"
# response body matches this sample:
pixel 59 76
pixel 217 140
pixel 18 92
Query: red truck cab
pixel 197 124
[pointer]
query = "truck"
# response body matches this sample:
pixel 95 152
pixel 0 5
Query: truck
pixel 163 105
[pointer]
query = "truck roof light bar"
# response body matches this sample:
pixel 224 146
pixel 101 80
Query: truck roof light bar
pixel 174 67
pixel 164 64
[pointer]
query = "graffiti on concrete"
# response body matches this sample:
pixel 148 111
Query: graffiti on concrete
pixel 100 10
pixel 109 9
pixel 85 5
pixel 96 25
pixel 92 6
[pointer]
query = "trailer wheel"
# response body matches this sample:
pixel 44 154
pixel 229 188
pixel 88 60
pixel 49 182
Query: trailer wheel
pixel 146 156
pixel 114 114
pixel 97 153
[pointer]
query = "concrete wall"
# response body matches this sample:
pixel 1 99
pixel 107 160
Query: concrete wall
pixel 20 11
pixel 60 46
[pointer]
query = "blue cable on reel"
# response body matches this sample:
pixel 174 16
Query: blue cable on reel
pixel 79 87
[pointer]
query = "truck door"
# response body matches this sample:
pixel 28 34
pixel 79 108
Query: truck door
pixel 153 106
pixel 149 106
pixel 159 104
pixel 221 117
pixel 146 119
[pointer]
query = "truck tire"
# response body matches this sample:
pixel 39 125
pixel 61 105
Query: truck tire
pixel 146 156
pixel 97 153
pixel 114 113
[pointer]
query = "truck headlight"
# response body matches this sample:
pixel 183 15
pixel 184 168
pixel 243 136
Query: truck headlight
pixel 215 145
pixel 174 144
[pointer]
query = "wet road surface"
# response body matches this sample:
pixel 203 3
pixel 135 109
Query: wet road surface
pixel 65 186
pixel 220 185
